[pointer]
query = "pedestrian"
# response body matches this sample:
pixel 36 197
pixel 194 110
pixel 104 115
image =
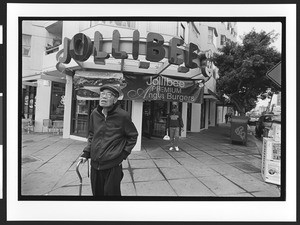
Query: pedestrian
pixel 226 117
pixel 229 117
pixel 112 136
pixel 174 124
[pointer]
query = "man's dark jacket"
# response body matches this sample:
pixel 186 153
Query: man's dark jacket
pixel 110 139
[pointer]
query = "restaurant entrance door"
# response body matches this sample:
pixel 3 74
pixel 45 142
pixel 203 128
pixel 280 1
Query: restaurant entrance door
pixel 155 118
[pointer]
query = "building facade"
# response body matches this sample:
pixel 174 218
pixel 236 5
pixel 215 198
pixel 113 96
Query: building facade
pixel 64 62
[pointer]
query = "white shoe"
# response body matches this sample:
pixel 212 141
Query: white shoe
pixel 171 148
pixel 177 149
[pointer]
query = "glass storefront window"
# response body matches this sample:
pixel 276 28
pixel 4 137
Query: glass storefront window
pixel 81 117
pixel 57 101
pixel 28 106
pixel 82 107
pixel 160 111
pixel 155 118
pixel 82 110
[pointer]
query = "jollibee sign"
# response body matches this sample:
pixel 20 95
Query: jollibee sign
pixel 81 47
pixel 162 88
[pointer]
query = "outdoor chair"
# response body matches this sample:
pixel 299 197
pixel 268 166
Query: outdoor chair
pixel 28 125
pixel 48 124
pixel 58 125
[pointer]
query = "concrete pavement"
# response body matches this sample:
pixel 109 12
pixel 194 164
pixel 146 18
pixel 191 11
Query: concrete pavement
pixel 208 165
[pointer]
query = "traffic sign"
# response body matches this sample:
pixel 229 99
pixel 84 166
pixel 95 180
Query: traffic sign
pixel 274 74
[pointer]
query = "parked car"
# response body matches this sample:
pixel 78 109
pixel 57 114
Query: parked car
pixel 263 122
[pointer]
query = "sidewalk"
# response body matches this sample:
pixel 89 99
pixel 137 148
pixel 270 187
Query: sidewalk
pixel 208 165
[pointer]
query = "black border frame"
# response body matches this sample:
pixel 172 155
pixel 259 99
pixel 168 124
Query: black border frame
pixel 3 21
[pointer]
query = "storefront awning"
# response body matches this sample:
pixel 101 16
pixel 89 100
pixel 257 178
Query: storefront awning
pixel 210 95
pixel 26 83
pixel 138 86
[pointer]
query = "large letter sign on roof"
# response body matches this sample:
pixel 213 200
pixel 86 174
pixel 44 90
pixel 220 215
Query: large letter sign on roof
pixel 175 52
pixel 186 57
pixel 66 58
pixel 155 49
pixel 135 44
pixel 99 55
pixel 116 45
pixel 81 47
pixel 191 55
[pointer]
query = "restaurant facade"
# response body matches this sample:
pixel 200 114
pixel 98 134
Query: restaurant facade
pixel 156 64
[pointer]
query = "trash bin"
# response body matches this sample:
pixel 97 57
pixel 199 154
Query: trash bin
pixel 239 129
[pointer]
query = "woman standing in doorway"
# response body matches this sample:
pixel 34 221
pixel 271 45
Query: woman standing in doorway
pixel 174 124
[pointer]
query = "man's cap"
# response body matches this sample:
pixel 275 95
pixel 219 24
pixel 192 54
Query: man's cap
pixel 113 88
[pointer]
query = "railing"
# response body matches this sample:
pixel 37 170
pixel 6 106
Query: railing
pixel 49 58
pixel 50 50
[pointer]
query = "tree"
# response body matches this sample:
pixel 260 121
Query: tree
pixel 243 68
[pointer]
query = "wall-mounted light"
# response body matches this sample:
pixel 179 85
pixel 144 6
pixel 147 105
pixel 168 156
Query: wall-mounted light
pixel 46 83
pixel 182 69
pixel 144 65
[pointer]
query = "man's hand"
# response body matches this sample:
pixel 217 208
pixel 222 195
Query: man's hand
pixel 82 159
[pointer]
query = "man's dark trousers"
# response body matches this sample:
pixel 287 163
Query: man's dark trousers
pixel 107 182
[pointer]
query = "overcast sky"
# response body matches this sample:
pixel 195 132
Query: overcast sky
pixel 246 27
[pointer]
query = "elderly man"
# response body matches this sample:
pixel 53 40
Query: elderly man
pixel 112 136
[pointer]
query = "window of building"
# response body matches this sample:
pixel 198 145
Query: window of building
pixel 223 39
pixel 26 44
pixel 130 24
pixel 228 26
pixel 163 27
pixel 195 30
pixel 182 31
pixel 210 38
pixel 232 30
